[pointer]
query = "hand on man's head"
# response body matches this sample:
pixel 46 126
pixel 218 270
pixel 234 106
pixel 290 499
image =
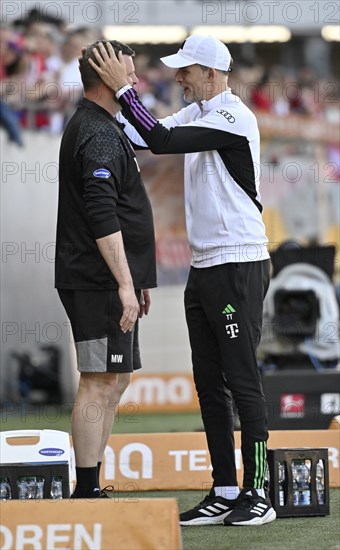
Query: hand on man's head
pixel 110 67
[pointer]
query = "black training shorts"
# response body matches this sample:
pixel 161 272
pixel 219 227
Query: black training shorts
pixel 101 345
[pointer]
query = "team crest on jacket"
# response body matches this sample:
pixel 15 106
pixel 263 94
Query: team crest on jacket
pixel 230 118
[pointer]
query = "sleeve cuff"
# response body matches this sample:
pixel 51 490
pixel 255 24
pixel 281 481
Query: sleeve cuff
pixel 105 228
pixel 122 90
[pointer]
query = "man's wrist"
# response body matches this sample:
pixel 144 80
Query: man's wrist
pixel 126 284
pixel 122 90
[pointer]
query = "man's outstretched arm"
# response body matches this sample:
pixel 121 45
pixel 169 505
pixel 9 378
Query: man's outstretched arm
pixel 200 135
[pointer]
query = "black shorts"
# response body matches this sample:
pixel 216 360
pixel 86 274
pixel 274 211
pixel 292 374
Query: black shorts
pixel 101 345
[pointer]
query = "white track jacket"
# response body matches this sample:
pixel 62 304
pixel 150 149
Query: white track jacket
pixel 220 139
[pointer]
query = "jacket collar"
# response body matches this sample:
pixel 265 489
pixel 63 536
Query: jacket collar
pixel 207 106
pixel 95 107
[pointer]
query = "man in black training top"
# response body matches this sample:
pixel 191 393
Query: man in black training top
pixel 105 262
pixel 229 272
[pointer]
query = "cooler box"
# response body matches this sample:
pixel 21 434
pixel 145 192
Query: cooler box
pixel 36 453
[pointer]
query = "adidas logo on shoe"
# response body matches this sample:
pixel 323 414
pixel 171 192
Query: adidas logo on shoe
pixel 211 511
pixel 250 509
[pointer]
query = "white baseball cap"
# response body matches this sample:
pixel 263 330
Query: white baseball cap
pixel 204 50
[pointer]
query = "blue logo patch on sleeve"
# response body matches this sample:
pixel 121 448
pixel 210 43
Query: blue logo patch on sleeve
pixel 102 173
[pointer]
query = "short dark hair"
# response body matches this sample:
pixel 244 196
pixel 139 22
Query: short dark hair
pixel 226 73
pixel 89 77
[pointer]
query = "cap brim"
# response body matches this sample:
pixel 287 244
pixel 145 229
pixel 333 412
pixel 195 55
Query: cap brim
pixel 177 61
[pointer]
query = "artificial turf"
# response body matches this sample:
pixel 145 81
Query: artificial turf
pixel 54 417
pixel 299 533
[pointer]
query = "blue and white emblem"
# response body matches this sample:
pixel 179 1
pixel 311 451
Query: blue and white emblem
pixel 102 173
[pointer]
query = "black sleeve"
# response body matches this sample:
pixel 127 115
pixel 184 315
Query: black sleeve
pixel 104 165
pixel 181 139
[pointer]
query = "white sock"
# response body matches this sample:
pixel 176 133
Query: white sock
pixel 227 492
pixel 261 493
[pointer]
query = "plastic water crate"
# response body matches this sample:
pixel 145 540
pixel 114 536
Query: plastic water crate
pixel 299 481
pixel 35 453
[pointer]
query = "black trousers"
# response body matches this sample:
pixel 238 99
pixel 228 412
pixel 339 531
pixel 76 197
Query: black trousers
pixel 223 306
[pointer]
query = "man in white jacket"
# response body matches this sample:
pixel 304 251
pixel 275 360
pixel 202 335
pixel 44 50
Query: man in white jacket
pixel 229 273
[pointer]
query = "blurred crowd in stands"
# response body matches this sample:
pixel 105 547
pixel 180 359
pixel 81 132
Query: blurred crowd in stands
pixel 40 83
